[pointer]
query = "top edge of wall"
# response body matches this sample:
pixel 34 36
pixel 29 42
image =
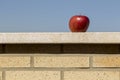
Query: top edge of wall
pixel 60 38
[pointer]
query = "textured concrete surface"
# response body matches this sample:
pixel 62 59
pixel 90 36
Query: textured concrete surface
pixel 106 61
pixel 68 37
pixel 59 66
pixel 32 75
pixel 39 60
pixel 91 75
pixel 65 61
pixel 14 61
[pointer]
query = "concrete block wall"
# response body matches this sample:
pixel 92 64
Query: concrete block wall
pixel 59 61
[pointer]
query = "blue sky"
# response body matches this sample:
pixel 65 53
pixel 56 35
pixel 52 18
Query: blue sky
pixel 54 15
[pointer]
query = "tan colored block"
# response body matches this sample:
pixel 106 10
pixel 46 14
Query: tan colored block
pixel 106 61
pixel 32 75
pixel 60 61
pixel 91 48
pixel 0 75
pixel 32 48
pixel 91 75
pixel 14 61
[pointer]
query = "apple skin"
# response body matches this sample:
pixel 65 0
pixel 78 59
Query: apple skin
pixel 79 23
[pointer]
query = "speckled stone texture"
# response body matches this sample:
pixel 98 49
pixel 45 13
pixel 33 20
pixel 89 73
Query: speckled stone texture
pixel 91 75
pixel 61 61
pixel 60 56
pixel 32 75
pixel 63 37
pixel 14 61
pixel 106 61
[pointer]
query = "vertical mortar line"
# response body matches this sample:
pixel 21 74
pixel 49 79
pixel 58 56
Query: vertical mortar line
pixel 91 62
pixel 119 75
pixel 31 61
pixel 3 75
pixel 62 75
pixel 3 48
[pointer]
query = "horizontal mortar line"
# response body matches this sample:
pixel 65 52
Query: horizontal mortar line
pixel 16 55
pixel 50 55
pixel 113 54
pixel 56 54
pixel 41 68
pixel 59 69
pixel 105 67
pixel 42 54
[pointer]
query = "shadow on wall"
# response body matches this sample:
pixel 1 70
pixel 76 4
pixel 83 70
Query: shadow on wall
pixel 60 48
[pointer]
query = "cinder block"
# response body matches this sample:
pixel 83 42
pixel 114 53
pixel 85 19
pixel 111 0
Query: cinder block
pixel 0 75
pixel 91 75
pixel 106 61
pixel 91 48
pixel 14 61
pixel 32 75
pixel 32 48
pixel 61 61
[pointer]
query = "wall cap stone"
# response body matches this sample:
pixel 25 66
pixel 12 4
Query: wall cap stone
pixel 60 37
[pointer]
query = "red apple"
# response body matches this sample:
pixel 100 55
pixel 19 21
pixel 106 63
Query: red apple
pixel 79 23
